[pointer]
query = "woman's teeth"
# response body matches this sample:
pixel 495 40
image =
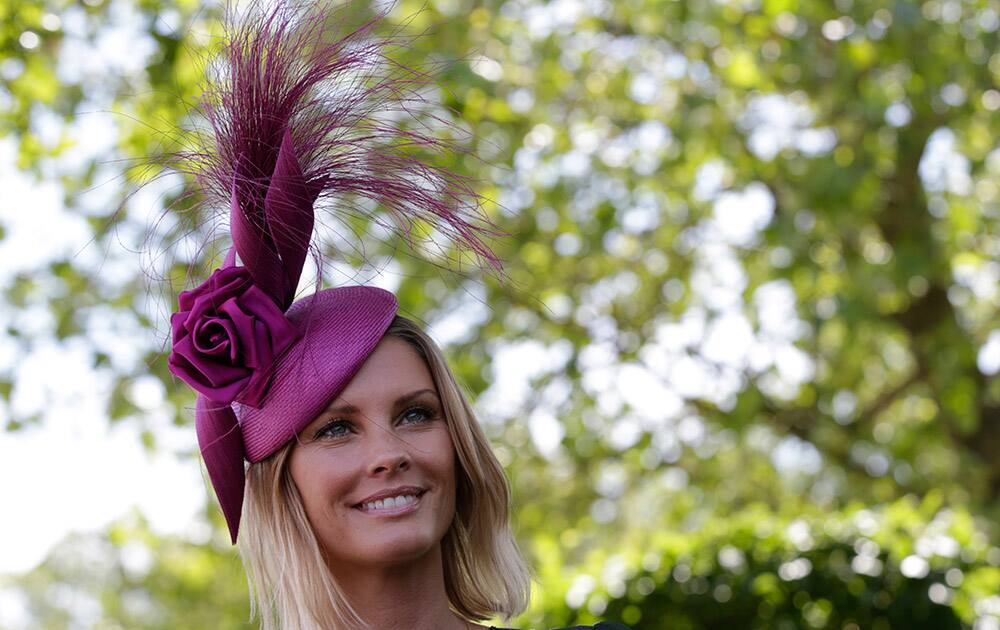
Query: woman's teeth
pixel 390 503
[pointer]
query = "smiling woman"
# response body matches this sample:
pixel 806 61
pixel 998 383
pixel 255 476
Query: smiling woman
pixel 330 426
pixel 388 507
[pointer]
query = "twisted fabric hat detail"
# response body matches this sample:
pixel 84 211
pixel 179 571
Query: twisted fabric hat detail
pixel 295 118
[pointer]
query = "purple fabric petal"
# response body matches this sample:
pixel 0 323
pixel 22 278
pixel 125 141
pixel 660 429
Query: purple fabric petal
pixel 281 328
pixel 288 206
pixel 219 382
pixel 204 300
pixel 255 390
pixel 243 323
pixel 255 247
pixel 215 337
pixel 227 281
pixel 177 324
pixel 221 444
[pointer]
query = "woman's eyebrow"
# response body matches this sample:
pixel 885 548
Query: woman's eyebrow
pixel 402 400
pixel 348 409
pixel 344 409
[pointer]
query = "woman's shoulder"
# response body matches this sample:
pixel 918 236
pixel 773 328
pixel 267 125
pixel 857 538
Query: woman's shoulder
pixel 601 625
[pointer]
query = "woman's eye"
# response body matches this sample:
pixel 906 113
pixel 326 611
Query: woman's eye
pixel 336 429
pixel 417 415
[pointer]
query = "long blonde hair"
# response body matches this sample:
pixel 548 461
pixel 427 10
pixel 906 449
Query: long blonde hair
pixel 484 572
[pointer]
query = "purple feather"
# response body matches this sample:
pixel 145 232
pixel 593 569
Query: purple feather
pixel 289 84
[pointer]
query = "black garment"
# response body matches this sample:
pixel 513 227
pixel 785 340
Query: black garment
pixel 601 625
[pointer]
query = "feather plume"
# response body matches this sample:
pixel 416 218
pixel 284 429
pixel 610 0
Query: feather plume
pixel 302 98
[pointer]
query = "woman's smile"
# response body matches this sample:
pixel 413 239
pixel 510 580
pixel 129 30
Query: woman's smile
pixel 399 505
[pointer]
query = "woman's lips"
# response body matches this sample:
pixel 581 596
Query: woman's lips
pixel 394 511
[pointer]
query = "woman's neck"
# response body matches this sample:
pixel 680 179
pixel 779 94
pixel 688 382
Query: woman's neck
pixel 410 595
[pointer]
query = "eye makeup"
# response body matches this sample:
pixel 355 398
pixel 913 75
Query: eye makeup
pixel 428 408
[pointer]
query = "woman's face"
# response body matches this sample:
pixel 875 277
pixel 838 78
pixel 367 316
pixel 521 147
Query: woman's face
pixel 384 436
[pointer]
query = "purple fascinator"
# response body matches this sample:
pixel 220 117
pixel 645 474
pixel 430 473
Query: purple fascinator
pixel 297 112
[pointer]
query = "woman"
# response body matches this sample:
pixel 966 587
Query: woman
pixel 390 500
pixel 372 497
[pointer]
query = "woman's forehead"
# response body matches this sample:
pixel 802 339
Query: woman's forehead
pixel 393 369
pixel 393 373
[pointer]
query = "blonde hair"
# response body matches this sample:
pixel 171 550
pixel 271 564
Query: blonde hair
pixel 484 572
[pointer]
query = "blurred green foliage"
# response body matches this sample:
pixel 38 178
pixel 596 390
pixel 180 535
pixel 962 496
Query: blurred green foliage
pixel 669 172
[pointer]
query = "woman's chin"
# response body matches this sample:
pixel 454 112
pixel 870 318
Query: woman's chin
pixel 397 548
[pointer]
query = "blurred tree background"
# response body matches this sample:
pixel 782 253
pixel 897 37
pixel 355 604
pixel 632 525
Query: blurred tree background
pixel 743 373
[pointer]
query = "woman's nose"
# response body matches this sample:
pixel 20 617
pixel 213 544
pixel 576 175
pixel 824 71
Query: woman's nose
pixel 388 454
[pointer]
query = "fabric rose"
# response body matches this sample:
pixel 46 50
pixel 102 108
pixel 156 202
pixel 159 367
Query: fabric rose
pixel 227 334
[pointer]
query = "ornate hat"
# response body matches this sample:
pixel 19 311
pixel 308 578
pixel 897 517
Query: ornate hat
pixel 304 112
